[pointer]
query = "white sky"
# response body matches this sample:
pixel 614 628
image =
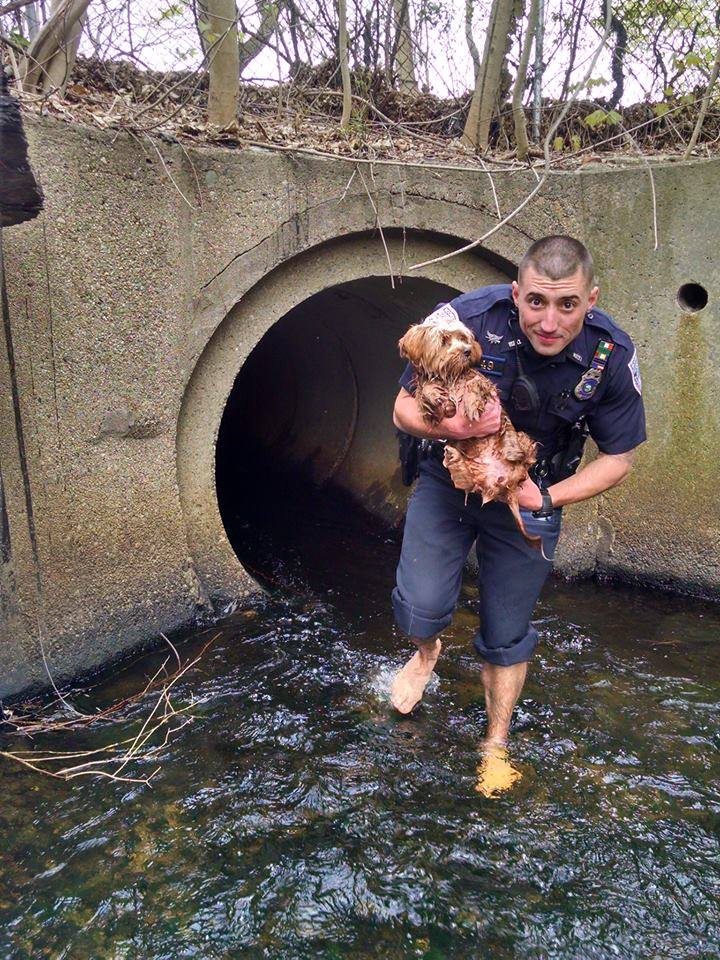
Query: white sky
pixel 171 42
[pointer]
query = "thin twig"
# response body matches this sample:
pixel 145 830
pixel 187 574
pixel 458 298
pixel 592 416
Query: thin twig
pixel 492 184
pixel 172 180
pixel 378 224
pixel 703 109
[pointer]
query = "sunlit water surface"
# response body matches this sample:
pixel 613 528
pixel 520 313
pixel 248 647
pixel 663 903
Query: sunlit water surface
pixel 298 817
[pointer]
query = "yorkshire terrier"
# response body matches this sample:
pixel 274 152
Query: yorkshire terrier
pixel 442 351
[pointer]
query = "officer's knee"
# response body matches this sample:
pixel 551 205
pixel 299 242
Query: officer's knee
pixel 424 619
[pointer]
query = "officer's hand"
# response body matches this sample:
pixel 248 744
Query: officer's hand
pixel 460 427
pixel 529 495
pixel 490 420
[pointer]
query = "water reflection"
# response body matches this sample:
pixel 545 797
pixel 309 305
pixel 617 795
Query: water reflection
pixel 299 818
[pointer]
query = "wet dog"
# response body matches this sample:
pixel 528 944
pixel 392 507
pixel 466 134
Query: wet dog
pixel 442 351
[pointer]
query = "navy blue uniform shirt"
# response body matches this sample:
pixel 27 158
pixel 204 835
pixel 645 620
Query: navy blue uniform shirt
pixel 615 414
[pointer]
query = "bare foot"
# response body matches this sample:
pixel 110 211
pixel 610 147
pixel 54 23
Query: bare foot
pixel 495 772
pixel 409 685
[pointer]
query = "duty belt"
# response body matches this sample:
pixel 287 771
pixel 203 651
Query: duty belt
pixel 432 449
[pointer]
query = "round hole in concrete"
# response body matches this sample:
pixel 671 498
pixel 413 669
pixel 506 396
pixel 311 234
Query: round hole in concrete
pixel 692 297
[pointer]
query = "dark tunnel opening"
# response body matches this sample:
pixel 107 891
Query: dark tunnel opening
pixel 306 458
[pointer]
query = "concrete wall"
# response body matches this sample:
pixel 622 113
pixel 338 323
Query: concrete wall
pixel 134 300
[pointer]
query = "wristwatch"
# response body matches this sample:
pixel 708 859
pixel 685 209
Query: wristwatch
pixel 547 508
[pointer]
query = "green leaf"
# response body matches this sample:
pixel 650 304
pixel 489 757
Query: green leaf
pixel 575 142
pixel 19 39
pixel 660 109
pixel 595 82
pixel 174 10
pixel 595 119
pixel 559 144
pixel 693 60
pixel 613 118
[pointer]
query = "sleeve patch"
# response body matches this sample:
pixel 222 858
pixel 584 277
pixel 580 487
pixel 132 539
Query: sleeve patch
pixel 444 315
pixel 634 368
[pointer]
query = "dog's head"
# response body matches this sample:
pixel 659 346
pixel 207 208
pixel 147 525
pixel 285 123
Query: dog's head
pixel 441 347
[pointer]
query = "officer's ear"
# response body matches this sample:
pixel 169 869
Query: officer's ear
pixel 592 298
pixel 516 293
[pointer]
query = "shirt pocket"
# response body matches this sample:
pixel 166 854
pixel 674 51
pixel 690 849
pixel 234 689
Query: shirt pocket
pixel 568 408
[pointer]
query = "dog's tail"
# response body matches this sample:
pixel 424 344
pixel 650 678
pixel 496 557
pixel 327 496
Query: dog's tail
pixel 535 542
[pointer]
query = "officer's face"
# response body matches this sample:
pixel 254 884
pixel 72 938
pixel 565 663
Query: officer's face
pixel 552 311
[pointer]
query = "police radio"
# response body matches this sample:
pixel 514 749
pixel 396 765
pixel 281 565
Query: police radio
pixel 524 395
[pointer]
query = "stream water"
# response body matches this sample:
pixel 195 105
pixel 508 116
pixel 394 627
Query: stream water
pixel 298 817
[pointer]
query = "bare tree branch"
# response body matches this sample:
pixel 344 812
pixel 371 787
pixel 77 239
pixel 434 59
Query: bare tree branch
pixel 703 106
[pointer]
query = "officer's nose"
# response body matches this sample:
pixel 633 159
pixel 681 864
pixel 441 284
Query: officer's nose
pixel 549 321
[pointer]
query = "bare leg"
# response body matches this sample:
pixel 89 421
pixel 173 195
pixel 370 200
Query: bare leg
pixel 503 686
pixel 409 685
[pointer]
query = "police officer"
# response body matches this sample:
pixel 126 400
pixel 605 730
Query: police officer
pixel 563 369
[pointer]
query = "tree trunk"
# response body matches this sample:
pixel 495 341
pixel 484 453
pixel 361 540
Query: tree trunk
pixel 520 123
pixel 32 21
pixel 489 78
pixel 224 63
pixel 403 54
pixel 344 67
pixel 51 56
pixel 618 57
pixel 470 40
pixel 250 48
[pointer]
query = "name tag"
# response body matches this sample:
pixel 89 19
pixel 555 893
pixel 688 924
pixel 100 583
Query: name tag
pixel 491 366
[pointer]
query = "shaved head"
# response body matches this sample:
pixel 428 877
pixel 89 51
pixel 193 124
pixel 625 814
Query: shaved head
pixel 558 257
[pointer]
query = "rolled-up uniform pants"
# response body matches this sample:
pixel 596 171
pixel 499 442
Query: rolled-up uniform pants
pixel 440 528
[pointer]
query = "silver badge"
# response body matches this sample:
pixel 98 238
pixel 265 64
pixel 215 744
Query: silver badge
pixel 634 368
pixel 494 337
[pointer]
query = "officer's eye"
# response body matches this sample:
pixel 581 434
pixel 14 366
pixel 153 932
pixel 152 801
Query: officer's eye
pixel 569 304
pixel 535 302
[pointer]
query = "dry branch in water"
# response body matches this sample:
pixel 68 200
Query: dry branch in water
pixel 163 721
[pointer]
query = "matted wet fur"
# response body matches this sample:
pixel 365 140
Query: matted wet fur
pixel 442 351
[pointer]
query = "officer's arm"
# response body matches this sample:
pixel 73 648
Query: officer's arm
pixel 407 417
pixel 601 474
pixel 606 471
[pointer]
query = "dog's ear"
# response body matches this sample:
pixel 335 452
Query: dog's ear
pixel 412 345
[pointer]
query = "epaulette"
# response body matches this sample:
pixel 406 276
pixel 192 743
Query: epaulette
pixel 604 322
pixel 477 302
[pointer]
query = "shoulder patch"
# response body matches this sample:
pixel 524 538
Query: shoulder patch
pixel 634 368
pixel 444 315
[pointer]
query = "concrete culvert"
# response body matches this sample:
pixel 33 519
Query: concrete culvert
pixel 692 297
pixel 312 403
pixel 297 383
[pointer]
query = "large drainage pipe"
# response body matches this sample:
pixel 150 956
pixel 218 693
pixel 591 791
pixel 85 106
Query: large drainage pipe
pixel 300 378
pixel 315 395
